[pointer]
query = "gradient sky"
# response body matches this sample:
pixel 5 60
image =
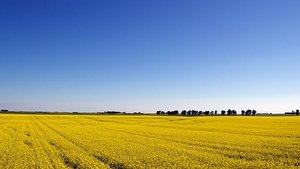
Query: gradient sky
pixel 78 55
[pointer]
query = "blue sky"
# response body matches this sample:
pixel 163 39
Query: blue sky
pixel 150 55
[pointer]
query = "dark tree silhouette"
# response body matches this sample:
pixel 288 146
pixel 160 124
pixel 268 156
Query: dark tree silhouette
pixel 297 112
pixel 189 113
pixel 223 112
pixel 248 112
pixel 194 113
pixel 176 112
pixel 206 113
pixel 243 112
pixel 200 113
pixel 229 112
pixel 112 112
pixel 233 112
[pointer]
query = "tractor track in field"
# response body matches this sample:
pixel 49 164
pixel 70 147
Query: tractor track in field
pixel 153 136
pixel 198 129
pixel 64 159
pixel 205 146
pixel 99 157
pixel 72 141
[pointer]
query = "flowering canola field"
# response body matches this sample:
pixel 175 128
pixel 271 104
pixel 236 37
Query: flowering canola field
pixel 109 141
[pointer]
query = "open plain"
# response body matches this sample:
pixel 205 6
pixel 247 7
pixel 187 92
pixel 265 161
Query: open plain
pixel 129 141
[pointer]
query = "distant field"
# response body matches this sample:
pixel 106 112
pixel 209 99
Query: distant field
pixel 106 141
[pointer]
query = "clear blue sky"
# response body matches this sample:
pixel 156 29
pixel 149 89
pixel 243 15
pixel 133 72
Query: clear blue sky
pixel 135 55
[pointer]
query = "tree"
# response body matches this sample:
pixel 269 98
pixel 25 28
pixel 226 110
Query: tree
pixel 189 112
pixel 183 113
pixel 206 112
pixel 229 112
pixel 176 112
pixel 243 112
pixel 158 112
pixel 223 112
pixel 194 112
pixel 248 112
pixel 234 112
pixel 200 112
pixel 297 112
pixel 253 112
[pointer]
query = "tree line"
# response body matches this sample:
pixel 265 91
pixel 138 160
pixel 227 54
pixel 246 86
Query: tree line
pixel 199 113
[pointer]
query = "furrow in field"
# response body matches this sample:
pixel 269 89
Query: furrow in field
pixel 71 141
pixel 213 144
pixel 168 147
pixel 103 162
pixel 247 130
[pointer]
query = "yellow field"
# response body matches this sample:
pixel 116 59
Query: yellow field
pixel 90 141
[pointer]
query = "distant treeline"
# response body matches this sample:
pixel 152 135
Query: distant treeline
pixel 118 112
pixel 293 112
pixel 199 113
pixel 223 112
pixel 175 112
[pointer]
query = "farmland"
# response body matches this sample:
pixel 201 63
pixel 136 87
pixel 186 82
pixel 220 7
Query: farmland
pixel 128 141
